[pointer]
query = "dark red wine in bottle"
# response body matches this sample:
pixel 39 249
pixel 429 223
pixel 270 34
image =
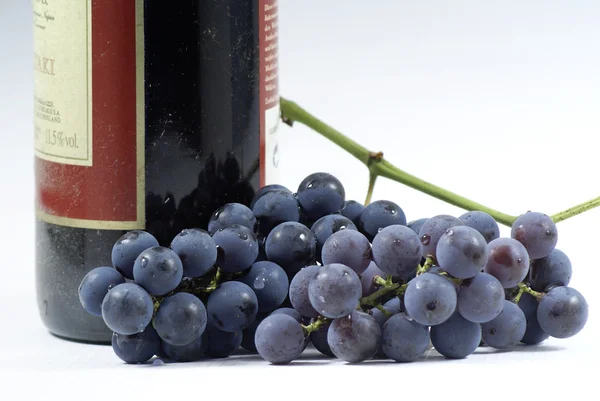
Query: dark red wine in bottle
pixel 148 115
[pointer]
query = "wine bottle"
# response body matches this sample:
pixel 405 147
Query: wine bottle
pixel 148 115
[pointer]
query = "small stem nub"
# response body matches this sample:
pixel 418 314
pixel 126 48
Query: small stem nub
pixel 429 261
pixel 524 288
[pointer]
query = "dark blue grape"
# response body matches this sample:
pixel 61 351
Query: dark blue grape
pixel 279 339
pixel 554 269
pixel 481 298
pixel 416 225
pixel 397 251
pixel 290 312
pixel 221 344
pixel 352 210
pixel 249 332
pixel 562 312
pixel 181 318
pixel 354 338
pixel 292 246
pixel 326 226
pixel 456 338
pixel 237 248
pixel 533 332
pixel 299 291
pixel 191 352
pixel 319 339
pixel 508 261
pixel 507 329
pixel 159 270
pixel 229 214
pixel 432 230
pixel 462 252
pixel 233 306
pixel 482 222
pixel 537 232
pixel 393 306
pixel 274 208
pixel 266 189
pixel 378 215
pixel 197 251
pixel 366 279
pixel 95 286
pixel 321 194
pixel 270 284
pixel 404 340
pixel 430 299
pixel 128 248
pixel 335 291
pixel 349 248
pixel 136 348
pixel 127 309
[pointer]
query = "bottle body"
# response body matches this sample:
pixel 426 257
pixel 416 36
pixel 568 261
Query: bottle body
pixel 149 116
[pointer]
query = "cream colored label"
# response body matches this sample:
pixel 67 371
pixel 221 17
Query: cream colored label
pixel 62 100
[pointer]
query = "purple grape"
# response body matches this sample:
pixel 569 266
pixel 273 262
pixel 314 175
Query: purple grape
pixel 462 252
pixel 537 232
pixel 328 225
pixel 321 194
pixel 562 312
pixel 378 215
pixel 128 248
pixel 430 299
pixel 232 307
pixel 554 269
pixel 290 312
pixel 95 286
pixel 279 339
pixel 270 284
pixel 232 213
pixel 299 291
pixel 508 261
pixel 273 208
pixel 127 309
pixel 292 246
pixel 221 344
pixel 335 291
pixel 181 318
pixel 507 329
pixel 354 338
pixel 456 338
pixel 432 230
pixel 397 251
pixel 482 222
pixel 197 251
pixel 159 270
pixel 319 339
pixel 481 298
pixel 352 210
pixel 136 348
pixel 533 332
pixel 191 352
pixel 266 189
pixel 237 248
pixel 393 307
pixel 348 247
pixel 404 340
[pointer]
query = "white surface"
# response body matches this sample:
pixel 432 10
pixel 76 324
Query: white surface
pixel 497 101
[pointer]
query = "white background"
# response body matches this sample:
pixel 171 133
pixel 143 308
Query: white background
pixel 497 101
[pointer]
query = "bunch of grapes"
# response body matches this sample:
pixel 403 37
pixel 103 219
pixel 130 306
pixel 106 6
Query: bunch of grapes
pixel 290 269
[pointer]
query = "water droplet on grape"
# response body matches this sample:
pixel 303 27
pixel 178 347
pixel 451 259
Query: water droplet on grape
pixel 449 232
pixel 111 286
pixel 519 260
pixel 218 213
pixel 144 262
pixel 243 236
pixel 259 283
pixel 425 239
pixel 393 211
pixel 380 229
pixel 548 233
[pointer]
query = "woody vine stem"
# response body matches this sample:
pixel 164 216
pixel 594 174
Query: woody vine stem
pixel 379 167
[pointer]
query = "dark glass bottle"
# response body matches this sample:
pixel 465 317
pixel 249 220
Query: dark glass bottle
pixel 195 129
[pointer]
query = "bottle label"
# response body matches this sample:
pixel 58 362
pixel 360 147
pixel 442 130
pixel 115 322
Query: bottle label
pixel 269 91
pixel 89 113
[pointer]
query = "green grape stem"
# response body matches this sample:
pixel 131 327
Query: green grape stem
pixel 316 325
pixel 378 166
pixel 524 288
pixel 429 261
